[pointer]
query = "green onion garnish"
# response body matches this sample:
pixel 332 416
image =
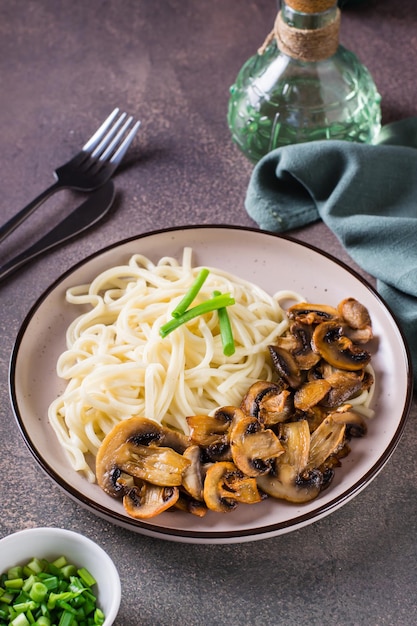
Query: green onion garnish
pixel 191 294
pixel 27 597
pixel 226 333
pixel 213 304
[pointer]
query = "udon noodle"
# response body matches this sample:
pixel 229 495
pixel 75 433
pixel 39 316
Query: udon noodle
pixel 117 365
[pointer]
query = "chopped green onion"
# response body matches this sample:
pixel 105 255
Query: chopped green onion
pixel 15 572
pixel 13 583
pixel 38 592
pixel 191 294
pixel 60 562
pixel 226 332
pixel 66 619
pixel 68 570
pixel 35 565
pixel 20 620
pixel 86 577
pixel 43 593
pixel 98 617
pixel 213 304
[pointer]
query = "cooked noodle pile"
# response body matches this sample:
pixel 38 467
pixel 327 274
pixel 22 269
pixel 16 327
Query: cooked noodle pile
pixel 117 365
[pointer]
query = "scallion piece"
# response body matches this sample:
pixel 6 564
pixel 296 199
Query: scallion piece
pixel 52 595
pixel 86 577
pixel 191 294
pixel 212 304
pixel 226 332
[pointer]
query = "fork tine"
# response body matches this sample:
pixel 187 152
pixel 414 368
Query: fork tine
pixel 100 132
pixel 113 145
pixel 121 151
pixel 102 146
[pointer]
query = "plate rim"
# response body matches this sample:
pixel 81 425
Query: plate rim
pixel 175 534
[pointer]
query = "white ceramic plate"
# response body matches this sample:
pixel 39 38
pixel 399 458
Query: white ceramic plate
pixel 271 261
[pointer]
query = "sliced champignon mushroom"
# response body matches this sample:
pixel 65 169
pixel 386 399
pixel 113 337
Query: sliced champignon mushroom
pixel 337 349
pixel 268 402
pixel 315 415
pixel 311 393
pixel 302 351
pixel 295 438
pixel 253 447
pixel 156 465
pixel 144 500
pixel 354 422
pixel 286 366
pixel 344 385
pixel 225 486
pixel 357 317
pixel 326 440
pixel 220 450
pixel 189 505
pixel 283 483
pixel 192 478
pixel 289 479
pixel 206 430
pixel 308 313
pixel 217 452
pixel 132 447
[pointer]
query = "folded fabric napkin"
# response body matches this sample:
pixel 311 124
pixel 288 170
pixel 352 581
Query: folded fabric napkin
pixel 366 194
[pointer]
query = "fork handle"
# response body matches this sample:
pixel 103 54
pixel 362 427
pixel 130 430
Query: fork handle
pixel 15 221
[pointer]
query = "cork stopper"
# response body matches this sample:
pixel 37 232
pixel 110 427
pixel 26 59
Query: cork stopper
pixel 310 6
pixel 309 45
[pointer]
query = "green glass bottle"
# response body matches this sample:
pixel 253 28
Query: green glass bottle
pixel 303 85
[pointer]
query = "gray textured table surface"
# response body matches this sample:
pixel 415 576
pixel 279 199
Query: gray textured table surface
pixel 63 66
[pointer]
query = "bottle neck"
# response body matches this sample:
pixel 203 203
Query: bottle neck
pixel 311 20
pixel 310 35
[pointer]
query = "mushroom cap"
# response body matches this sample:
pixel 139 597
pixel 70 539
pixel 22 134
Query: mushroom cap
pixel 225 486
pixel 325 441
pixel 206 430
pixel 309 313
pixel 144 500
pixel 289 480
pixel 268 402
pixel 330 341
pixel 253 447
pixel 133 447
pixel 286 366
pixel 192 478
pixel 311 393
pixel 355 314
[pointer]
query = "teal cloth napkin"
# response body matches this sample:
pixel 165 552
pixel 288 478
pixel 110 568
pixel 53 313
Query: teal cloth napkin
pixel 366 194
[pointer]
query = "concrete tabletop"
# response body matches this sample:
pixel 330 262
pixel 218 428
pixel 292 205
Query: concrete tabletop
pixel 64 65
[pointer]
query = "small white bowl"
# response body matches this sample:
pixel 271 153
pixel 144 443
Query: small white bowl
pixel 50 543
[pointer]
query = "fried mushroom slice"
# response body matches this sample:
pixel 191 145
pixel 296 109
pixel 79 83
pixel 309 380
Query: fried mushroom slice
pixel 253 447
pixel 325 441
pixel 330 341
pixel 268 402
pixel 344 386
pixel 357 317
pixel 289 479
pixel 225 486
pixel 302 350
pixel 311 393
pixel 192 478
pixel 206 430
pixel 157 465
pixel 187 504
pixel 354 422
pixel 308 313
pixel 286 366
pixel 144 501
pixel 132 448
